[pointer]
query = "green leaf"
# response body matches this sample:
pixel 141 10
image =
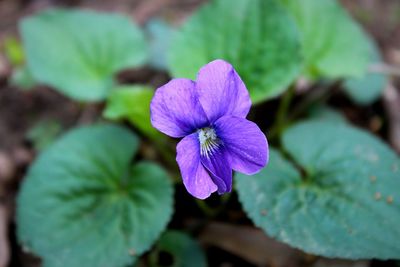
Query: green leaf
pixel 326 113
pixel 83 204
pixel 160 34
pixel 43 133
pixel 132 103
pixel 185 251
pixel 339 198
pixel 14 52
pixel 78 52
pixel 368 88
pixel 257 37
pixel 334 45
pixel 23 78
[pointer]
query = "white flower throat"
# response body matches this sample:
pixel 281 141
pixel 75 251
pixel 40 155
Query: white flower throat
pixel 209 141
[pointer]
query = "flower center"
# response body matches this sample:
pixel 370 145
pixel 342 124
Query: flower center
pixel 209 141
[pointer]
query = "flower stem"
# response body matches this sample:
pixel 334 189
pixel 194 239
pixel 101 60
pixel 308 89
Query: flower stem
pixel 211 212
pixel 281 117
pixel 168 156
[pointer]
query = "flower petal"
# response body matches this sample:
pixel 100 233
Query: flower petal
pixel 175 109
pixel 221 91
pixel 195 177
pixel 245 142
pixel 218 165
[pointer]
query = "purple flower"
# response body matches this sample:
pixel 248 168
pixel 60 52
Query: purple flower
pixel 210 115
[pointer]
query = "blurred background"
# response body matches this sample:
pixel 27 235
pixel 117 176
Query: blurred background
pixel 32 118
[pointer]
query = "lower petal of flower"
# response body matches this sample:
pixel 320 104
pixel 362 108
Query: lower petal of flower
pixel 195 177
pixel 218 165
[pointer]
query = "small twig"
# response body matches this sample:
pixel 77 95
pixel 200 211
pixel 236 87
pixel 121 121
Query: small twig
pixel 147 9
pixel 383 68
pixel 319 94
pixel 391 99
pixel 4 242
pixel 88 114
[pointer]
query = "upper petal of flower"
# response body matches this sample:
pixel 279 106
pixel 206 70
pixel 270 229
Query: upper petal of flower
pixel 195 177
pixel 218 165
pixel 245 143
pixel 221 91
pixel 175 109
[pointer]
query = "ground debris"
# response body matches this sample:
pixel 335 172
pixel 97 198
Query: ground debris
pixel 391 98
pixel 250 244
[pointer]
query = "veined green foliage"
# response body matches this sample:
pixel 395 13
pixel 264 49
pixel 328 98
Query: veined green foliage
pixel 84 204
pixel 338 197
pixel 79 52
pixel 258 37
pixel 333 44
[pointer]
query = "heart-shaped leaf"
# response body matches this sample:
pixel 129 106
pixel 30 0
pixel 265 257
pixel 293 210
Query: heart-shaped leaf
pixel 183 251
pixel 79 52
pixel 83 204
pixel 340 198
pixel 257 37
pixel 334 46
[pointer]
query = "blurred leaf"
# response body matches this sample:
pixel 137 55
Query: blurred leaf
pixel 344 202
pixel 78 52
pixel 132 103
pixel 368 88
pixel 83 204
pixel 14 51
pixel 257 36
pixel 160 34
pixel 185 251
pixel 334 45
pixel 326 113
pixel 22 78
pixel 44 133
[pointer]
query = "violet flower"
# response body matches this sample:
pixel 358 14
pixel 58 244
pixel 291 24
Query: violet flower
pixel 210 115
